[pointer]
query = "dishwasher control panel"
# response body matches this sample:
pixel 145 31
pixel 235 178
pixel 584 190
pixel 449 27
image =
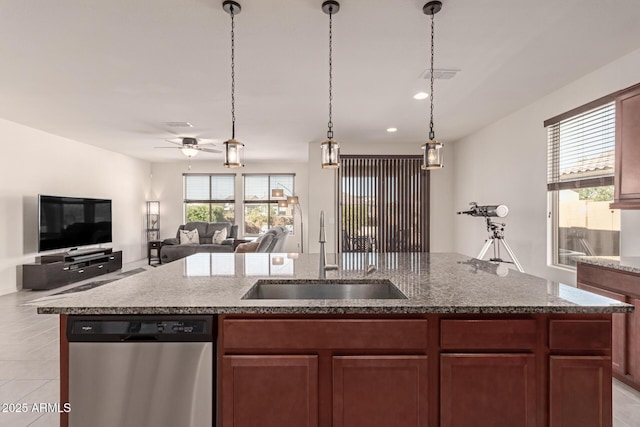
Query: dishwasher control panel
pixel 133 328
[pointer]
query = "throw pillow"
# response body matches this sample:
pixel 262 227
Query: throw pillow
pixel 219 236
pixel 247 247
pixel 189 237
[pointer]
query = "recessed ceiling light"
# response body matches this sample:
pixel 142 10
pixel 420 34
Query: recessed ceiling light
pixel 392 129
pixel 421 95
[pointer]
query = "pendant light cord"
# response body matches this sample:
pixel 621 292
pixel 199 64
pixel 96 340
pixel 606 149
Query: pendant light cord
pixel 330 123
pixel 233 76
pixel 432 134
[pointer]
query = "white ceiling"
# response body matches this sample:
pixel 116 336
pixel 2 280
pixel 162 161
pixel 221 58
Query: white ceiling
pixel 110 73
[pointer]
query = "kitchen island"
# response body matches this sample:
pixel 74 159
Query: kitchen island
pixel 466 346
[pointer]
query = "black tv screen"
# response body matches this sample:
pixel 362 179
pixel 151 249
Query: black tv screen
pixel 68 222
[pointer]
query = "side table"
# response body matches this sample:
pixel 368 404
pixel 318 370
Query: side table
pixel 154 245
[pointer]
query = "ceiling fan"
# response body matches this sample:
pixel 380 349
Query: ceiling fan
pixel 191 146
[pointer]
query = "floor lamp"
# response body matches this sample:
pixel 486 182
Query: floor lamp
pixel 291 200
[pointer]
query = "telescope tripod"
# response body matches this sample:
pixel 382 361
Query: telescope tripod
pixel 496 237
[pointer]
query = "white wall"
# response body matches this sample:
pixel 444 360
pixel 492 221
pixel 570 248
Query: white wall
pixel 167 187
pixel 505 163
pixel 322 190
pixel 35 162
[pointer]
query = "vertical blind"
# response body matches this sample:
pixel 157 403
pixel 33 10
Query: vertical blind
pixel 383 204
pixel 581 150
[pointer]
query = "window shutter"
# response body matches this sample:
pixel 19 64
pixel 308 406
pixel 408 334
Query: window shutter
pixel 581 150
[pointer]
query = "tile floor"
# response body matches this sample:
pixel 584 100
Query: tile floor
pixel 29 371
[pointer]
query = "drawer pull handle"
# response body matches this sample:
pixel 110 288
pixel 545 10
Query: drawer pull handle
pixel 112 257
pixel 80 271
pixel 100 266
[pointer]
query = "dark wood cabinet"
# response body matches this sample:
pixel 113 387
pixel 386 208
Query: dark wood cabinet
pixel 627 175
pixel 270 391
pixel 577 387
pixel 428 370
pixel 623 286
pixel 380 391
pixel 52 271
pixel 618 329
pixel 492 390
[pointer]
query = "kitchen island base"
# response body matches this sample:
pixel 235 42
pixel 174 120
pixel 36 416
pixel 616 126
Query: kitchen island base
pixel 411 370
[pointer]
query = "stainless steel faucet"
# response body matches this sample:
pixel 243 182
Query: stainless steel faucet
pixel 323 253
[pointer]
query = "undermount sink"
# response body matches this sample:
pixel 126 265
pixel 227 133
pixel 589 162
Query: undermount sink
pixel 324 289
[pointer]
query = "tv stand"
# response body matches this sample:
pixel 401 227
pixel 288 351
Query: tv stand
pixel 59 269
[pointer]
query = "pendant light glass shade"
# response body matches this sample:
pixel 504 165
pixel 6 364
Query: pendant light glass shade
pixel 233 152
pixel 293 200
pixel 432 155
pixel 283 204
pixel 330 152
pixel 277 192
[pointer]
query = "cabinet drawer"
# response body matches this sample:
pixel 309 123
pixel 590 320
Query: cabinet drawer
pixel 580 335
pixel 271 334
pixel 488 334
pixel 88 271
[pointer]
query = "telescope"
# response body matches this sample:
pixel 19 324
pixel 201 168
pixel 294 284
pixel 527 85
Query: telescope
pixel 499 211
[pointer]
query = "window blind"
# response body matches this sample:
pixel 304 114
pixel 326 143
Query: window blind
pixel 581 150
pixel 383 204
pixel 209 188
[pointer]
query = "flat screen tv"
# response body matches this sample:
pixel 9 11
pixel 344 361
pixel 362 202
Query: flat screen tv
pixel 69 222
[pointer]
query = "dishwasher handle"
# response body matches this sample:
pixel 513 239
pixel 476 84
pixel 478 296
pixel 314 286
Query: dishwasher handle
pixel 140 337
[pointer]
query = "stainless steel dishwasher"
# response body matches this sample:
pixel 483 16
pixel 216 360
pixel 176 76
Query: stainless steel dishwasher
pixel 140 371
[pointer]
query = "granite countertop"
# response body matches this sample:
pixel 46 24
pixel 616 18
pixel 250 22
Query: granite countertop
pixel 630 264
pixel 432 282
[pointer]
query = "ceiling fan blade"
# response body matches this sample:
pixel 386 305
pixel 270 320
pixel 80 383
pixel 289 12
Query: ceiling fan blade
pixel 177 141
pixel 209 150
pixel 206 141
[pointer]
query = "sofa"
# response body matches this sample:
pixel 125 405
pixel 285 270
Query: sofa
pixel 172 250
pixel 271 241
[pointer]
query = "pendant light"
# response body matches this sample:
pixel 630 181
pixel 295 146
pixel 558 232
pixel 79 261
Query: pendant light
pixel 432 150
pixel 233 150
pixel 330 149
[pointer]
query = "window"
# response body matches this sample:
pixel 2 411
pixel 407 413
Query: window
pixel 580 183
pixel 261 211
pixel 209 198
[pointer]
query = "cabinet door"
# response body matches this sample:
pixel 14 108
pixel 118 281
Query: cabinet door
pixel 633 342
pixel 380 391
pixel 269 391
pixel 618 330
pixel 627 183
pixel 487 390
pixel 580 391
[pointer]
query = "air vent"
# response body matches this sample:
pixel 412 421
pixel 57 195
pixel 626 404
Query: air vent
pixel 440 74
pixel 179 124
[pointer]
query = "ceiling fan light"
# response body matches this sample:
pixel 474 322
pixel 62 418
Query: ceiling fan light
pixel 330 153
pixel 432 156
pixel 189 151
pixel 233 152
